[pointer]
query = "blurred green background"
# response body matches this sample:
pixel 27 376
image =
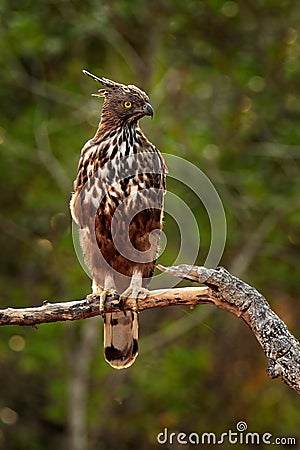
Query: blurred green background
pixel 224 80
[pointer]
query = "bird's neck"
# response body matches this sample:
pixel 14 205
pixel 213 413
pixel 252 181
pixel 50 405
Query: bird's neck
pixel 111 126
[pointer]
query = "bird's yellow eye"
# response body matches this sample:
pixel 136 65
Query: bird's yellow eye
pixel 127 105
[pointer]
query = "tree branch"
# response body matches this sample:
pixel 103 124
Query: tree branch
pixel 222 289
pixel 280 347
pixel 82 309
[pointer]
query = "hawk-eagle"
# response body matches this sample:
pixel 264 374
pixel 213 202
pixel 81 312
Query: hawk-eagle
pixel 118 206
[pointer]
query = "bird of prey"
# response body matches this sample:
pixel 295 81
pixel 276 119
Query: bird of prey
pixel 118 206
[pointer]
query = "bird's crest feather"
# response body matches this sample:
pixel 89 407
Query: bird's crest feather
pixel 114 86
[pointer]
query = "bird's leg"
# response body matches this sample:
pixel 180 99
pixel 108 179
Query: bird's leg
pixel 102 292
pixel 134 291
pixel 110 288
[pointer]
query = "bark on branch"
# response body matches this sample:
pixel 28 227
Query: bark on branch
pixel 221 289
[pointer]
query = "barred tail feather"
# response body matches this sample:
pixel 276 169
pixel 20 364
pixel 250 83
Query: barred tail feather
pixel 121 338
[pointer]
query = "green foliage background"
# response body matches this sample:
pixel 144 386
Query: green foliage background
pixel 223 78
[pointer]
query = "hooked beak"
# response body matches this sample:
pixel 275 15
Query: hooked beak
pixel 148 110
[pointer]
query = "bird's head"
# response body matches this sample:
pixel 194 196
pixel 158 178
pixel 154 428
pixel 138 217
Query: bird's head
pixel 125 104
